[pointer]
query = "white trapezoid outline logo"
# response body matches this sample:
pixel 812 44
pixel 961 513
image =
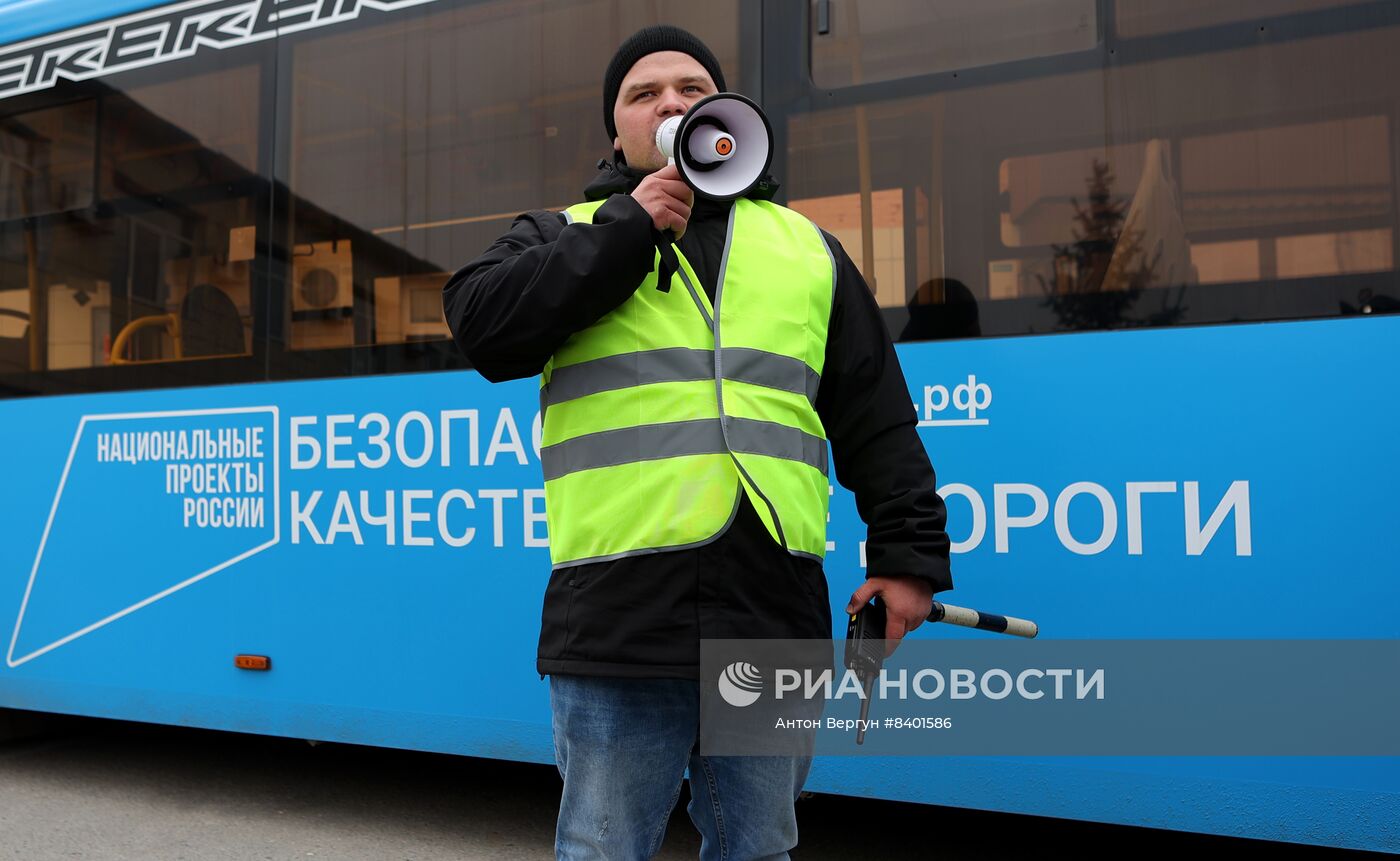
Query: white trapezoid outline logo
pixel 740 684
pixel 10 658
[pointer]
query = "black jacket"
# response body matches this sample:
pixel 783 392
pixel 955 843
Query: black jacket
pixel 644 616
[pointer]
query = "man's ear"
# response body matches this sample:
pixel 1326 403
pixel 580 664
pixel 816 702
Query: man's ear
pixel 617 143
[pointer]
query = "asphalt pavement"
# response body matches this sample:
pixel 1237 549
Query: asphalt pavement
pixel 112 790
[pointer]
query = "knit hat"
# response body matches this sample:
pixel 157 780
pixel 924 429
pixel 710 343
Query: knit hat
pixel 649 40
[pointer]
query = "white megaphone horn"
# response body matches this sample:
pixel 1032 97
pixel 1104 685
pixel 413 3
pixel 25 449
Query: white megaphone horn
pixel 722 147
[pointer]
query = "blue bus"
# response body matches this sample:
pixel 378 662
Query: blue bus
pixel 1139 258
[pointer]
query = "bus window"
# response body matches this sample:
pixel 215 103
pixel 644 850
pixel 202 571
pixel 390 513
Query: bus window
pixel 415 141
pixel 887 220
pixel 840 215
pixel 181 134
pixel 127 231
pixel 14 331
pixel 1288 174
pixel 409 308
pixel 1041 194
pixel 46 160
pixel 187 290
pixel 863 41
pixel 1186 185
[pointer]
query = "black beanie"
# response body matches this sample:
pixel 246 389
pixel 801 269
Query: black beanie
pixel 649 40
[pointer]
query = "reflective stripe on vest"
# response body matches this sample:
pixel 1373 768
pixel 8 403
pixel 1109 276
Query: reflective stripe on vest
pixel 671 364
pixel 672 439
pixel 647 439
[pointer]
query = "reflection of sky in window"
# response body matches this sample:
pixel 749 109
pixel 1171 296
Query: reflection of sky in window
pixel 219 109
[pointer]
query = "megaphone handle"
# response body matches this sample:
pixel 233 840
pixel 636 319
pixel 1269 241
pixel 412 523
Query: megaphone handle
pixel 669 264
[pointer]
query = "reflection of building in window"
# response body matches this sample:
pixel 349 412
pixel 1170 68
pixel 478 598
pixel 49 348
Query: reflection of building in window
pixel 840 215
pixel 79 321
pixel 140 223
pixel 201 309
pixel 323 295
pixel 1267 183
pixel 409 308
pixel 1287 175
pixel 14 331
pixel 1272 180
pixel 47 161
pixel 1334 253
pixel 1310 255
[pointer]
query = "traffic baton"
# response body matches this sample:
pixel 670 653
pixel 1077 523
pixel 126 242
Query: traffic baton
pixel 983 621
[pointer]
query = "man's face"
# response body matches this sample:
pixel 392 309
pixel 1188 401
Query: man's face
pixel 661 85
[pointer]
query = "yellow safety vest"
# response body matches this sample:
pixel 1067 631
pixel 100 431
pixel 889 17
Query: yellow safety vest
pixel 657 414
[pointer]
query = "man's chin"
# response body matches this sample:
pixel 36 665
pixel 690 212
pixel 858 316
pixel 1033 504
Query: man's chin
pixel 641 166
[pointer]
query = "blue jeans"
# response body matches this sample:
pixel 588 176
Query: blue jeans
pixel 623 747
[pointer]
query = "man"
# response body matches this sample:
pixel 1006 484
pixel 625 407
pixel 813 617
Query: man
pixel 670 517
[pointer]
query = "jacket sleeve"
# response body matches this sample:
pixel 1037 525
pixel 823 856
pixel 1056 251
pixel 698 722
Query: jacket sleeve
pixel 865 407
pixel 541 282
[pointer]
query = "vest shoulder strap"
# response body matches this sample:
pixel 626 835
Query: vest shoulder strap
pixel 799 221
pixel 582 213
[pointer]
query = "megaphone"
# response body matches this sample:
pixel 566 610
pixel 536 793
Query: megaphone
pixel 722 147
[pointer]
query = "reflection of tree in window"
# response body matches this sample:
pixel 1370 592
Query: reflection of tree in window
pixel 1119 252
pixel 1081 266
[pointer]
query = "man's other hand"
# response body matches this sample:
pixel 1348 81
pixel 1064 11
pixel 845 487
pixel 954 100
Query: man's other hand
pixel 666 198
pixel 908 601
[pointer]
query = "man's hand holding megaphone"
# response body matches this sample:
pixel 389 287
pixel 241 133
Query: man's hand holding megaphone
pixel 667 199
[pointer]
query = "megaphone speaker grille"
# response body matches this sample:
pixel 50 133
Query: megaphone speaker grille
pixel 732 174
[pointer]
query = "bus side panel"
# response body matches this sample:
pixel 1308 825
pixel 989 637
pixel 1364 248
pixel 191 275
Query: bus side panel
pixel 382 541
